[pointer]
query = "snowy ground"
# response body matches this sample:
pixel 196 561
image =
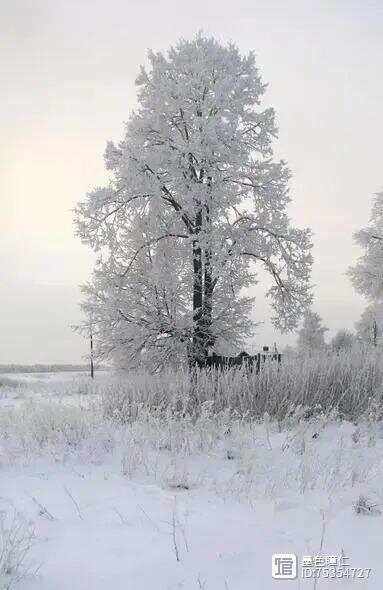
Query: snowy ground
pixel 67 387
pixel 162 505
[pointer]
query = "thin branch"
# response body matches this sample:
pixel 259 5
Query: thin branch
pixel 75 503
pixel 147 245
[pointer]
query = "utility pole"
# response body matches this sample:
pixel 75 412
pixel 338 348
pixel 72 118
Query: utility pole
pixel 375 332
pixel 91 355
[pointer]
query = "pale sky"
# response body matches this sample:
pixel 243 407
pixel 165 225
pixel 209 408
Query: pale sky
pixel 67 71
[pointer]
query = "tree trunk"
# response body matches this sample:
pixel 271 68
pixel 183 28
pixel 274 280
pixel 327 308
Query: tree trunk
pixel 91 356
pixel 198 352
pixel 208 289
pixel 375 332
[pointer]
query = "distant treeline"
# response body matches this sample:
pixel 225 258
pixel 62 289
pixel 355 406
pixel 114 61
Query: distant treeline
pixel 44 368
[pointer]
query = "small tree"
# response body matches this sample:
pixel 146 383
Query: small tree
pixel 311 335
pixel 343 341
pixel 370 325
pixel 367 274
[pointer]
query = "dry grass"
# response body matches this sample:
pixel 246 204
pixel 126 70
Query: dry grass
pixel 350 384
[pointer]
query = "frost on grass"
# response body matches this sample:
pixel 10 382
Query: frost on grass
pixel 179 476
pixel 52 428
pixel 269 457
pixel 16 540
pixel 350 383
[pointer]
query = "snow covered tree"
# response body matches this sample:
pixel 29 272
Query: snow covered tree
pixel 367 274
pixel 194 205
pixel 311 334
pixel 369 328
pixel 343 341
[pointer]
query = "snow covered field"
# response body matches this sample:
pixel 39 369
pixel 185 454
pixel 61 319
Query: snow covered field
pixel 165 503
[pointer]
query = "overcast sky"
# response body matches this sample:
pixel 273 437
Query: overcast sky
pixel 67 71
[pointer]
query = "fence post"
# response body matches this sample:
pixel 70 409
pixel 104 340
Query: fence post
pixel 258 362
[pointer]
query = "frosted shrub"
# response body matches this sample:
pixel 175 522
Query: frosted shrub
pixel 10 388
pixel 132 458
pixel 177 477
pixel 365 506
pixel 7 383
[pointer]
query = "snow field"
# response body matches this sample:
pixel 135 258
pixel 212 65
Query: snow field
pixel 166 501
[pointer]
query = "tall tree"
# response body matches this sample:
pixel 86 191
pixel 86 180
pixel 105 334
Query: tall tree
pixel 311 334
pixel 195 188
